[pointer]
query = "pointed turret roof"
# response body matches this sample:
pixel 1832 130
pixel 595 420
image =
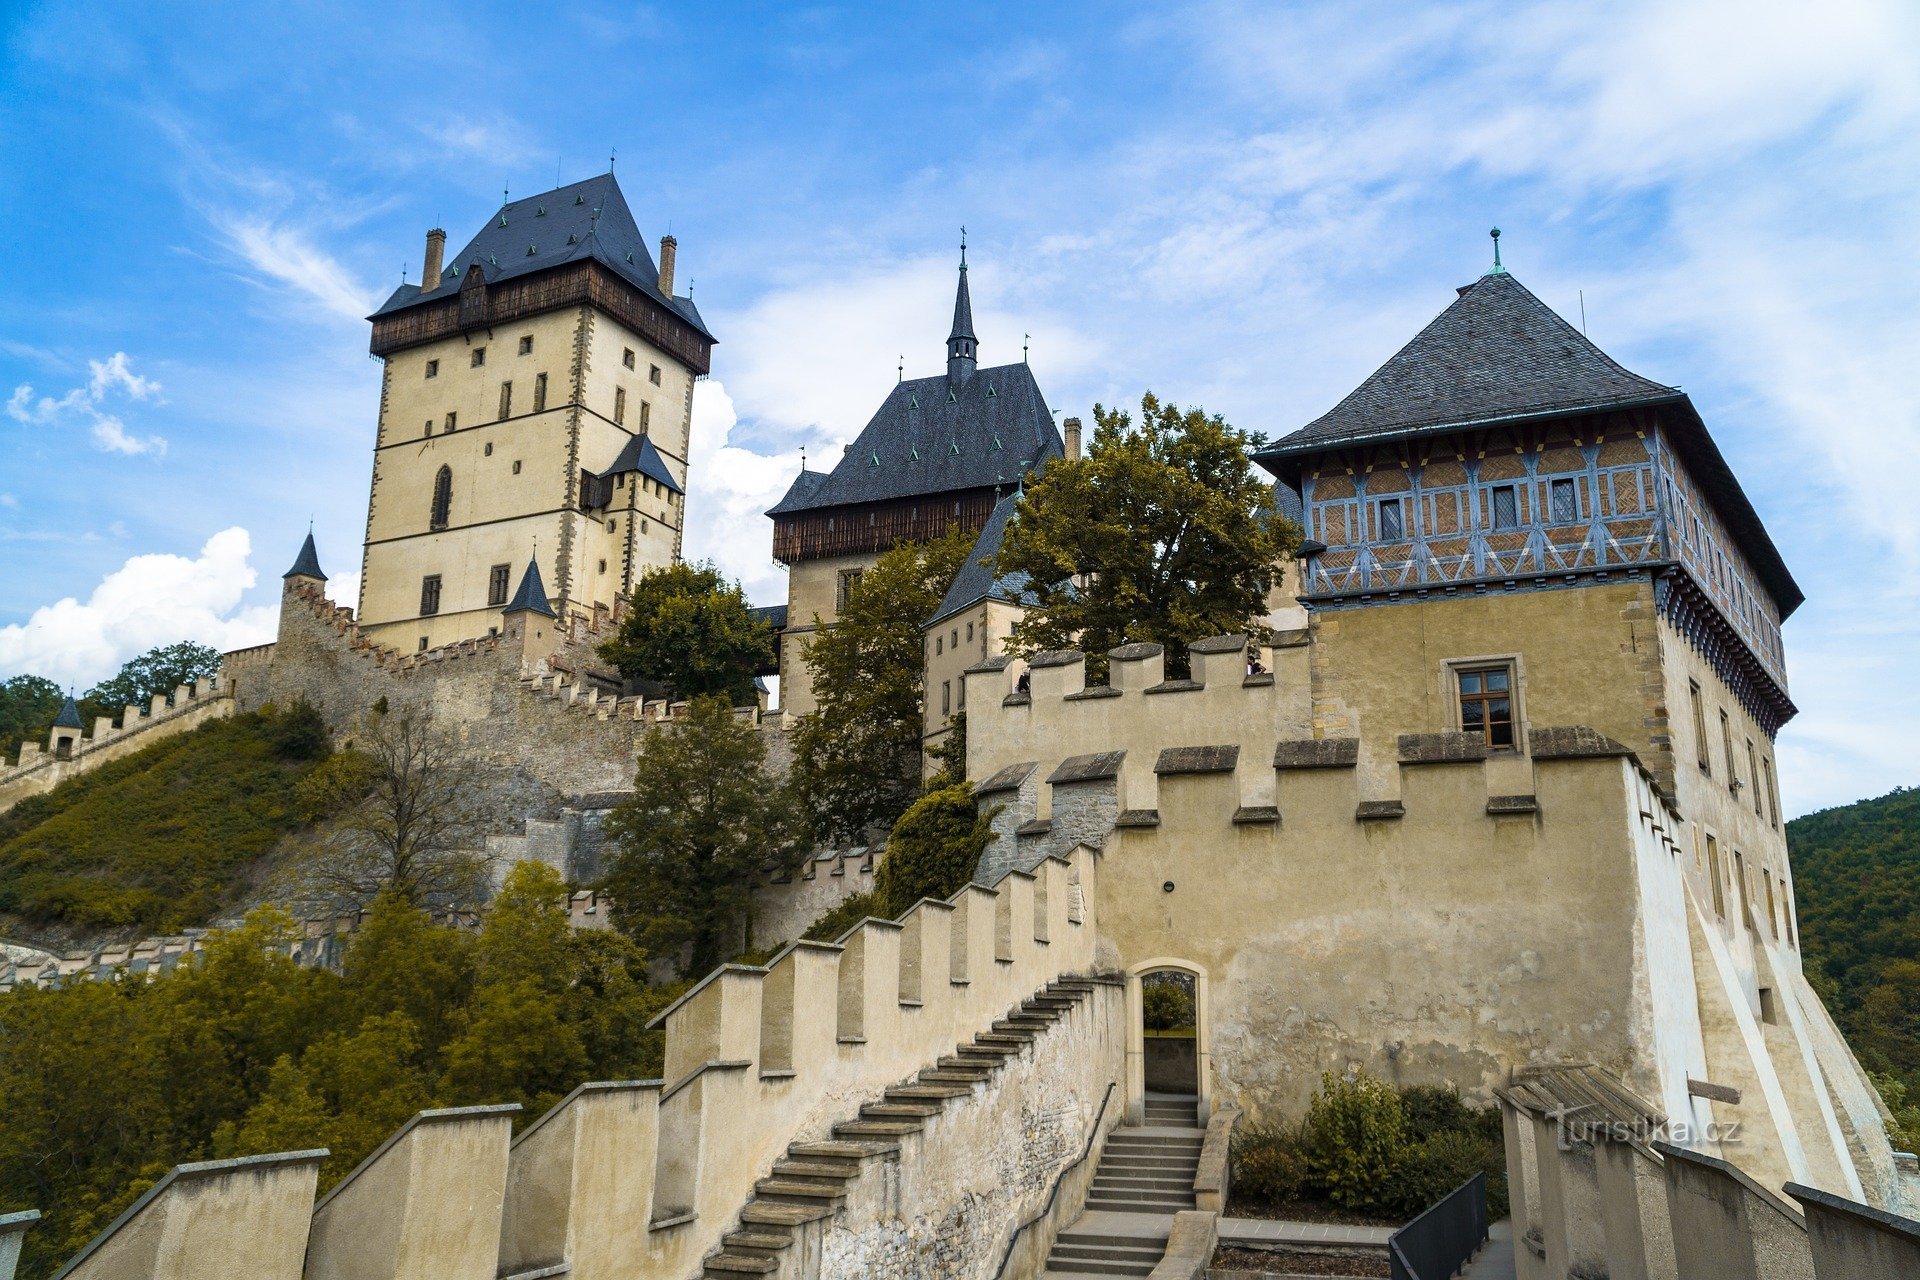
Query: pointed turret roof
pixel 962 305
pixel 638 454
pixel 307 563
pixel 532 595
pixel 69 717
pixel 1497 353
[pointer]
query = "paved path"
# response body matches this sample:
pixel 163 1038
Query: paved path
pixel 1496 1260
pixel 1259 1231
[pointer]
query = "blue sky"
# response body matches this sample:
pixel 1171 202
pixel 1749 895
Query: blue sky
pixel 1245 206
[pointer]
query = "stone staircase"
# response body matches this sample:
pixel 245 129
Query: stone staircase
pixel 810 1183
pixel 1144 1177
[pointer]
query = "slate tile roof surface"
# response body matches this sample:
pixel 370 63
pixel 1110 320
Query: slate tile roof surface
pixel 939 435
pixel 976 580
pixel 1496 352
pixel 307 563
pixel 638 454
pixel 582 220
pixel 532 595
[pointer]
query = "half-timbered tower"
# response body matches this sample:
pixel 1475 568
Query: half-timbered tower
pixel 537 399
pixel 939 451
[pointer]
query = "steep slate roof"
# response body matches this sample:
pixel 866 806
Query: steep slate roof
pixel 532 595
pixel 581 220
pixel 638 454
pixel 977 580
pixel 69 717
pixel 935 435
pixel 307 563
pixel 1496 353
pixel 963 305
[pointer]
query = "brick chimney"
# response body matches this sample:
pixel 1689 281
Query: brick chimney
pixel 667 245
pixel 1072 432
pixel 436 250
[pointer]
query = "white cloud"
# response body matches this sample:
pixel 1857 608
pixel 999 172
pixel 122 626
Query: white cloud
pixel 150 600
pixel 83 406
pixel 285 253
pixel 498 141
pixel 731 487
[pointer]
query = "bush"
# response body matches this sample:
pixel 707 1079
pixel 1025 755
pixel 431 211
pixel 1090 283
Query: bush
pixel 1354 1134
pixel 851 911
pixel 1269 1164
pixel 933 849
pixel 1429 1109
pixel 1166 1006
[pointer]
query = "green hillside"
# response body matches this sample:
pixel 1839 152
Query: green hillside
pixel 164 838
pixel 1856 875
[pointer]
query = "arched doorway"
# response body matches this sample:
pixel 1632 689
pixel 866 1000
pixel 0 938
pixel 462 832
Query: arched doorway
pixel 1167 1051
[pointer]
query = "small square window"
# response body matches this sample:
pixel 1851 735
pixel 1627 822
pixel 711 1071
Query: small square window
pixel 626 357
pixel 1392 526
pixel 516 466
pixel 478 358
pixel 1566 505
pixel 1486 704
pixel 453 420
pixel 526 345
pixel 487 452
pixel 653 374
pixel 603 566
pixel 423 644
pixel 429 430
pixel 433 368
pixel 1506 506
pixel 613 526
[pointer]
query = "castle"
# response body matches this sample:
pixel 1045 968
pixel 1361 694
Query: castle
pixel 1495 806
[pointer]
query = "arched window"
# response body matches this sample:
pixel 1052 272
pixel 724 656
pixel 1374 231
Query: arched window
pixel 442 498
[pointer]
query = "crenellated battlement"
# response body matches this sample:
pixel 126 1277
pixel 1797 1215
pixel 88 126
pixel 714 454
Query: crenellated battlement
pixel 68 753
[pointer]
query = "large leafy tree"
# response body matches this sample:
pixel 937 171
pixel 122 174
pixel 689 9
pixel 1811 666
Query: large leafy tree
pixel 28 705
pixel 159 670
pixel 933 850
pixel 1162 532
pixel 688 627
pixel 705 821
pixel 856 759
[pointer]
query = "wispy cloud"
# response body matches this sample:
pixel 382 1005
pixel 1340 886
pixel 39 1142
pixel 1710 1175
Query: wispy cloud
pixel 83 406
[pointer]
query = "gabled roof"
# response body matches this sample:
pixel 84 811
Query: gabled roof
pixel 581 220
pixel 638 454
pixel 307 563
pixel 977 579
pixel 532 595
pixel 69 717
pixel 939 435
pixel 1496 353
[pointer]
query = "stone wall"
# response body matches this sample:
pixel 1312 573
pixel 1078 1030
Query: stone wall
pixel 40 769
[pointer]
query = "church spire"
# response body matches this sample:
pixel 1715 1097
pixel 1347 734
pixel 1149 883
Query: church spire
pixel 963 349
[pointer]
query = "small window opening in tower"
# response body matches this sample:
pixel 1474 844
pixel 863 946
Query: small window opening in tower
pixel 626 357
pixel 516 466
pixel 653 374
pixel 477 357
pixel 433 368
pixel 1392 526
pixel 539 392
pixel 526 344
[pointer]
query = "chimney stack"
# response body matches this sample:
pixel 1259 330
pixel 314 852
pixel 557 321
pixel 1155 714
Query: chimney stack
pixel 1072 426
pixel 436 248
pixel 667 245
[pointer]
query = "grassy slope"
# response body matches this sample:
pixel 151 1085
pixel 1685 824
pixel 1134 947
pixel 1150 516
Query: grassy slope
pixel 159 840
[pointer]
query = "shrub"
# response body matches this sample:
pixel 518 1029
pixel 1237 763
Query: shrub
pixel 1269 1166
pixel 1429 1109
pixel 1354 1133
pixel 1428 1170
pixel 933 849
pixel 851 911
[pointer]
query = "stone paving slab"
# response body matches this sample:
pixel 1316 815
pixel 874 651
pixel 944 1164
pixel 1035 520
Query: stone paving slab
pixel 1259 1231
pixel 1496 1260
pixel 1109 1222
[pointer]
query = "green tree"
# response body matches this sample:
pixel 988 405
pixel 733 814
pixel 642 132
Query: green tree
pixel 1354 1134
pixel 949 755
pixel 933 849
pixel 160 670
pixel 856 759
pixel 1161 533
pixel 28 705
pixel 705 821
pixel 688 627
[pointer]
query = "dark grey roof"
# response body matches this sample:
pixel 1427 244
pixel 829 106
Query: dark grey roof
pixel 1496 353
pixel 532 595
pixel 69 717
pixel 581 220
pixel 1287 504
pixel 638 454
pixel 977 580
pixel 774 615
pixel 804 486
pixel 939 435
pixel 962 305
pixel 307 563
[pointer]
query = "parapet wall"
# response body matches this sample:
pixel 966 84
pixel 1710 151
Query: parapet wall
pixel 40 769
pixel 644 1177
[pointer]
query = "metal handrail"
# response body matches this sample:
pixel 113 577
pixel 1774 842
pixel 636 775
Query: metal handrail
pixel 1443 1236
pixel 1060 1180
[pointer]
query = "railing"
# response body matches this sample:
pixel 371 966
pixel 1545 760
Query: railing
pixel 1059 1180
pixel 1438 1242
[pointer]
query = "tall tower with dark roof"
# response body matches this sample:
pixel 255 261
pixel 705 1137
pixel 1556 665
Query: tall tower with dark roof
pixel 938 452
pixel 538 389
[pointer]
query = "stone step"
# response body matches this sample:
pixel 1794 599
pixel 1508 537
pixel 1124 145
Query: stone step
pixel 855 1151
pixel 898 1110
pixel 1144 1181
pixel 1135 1204
pixel 959 1062
pixel 827 1172
pixel 757 1243
pixel 796 1191
pixel 994 1050
pixel 1068 1268
pixel 764 1213
pixel 727 1263
pixel 1013 1040
pixel 1115 1161
pixel 952 1075
pixel 926 1092
pixel 860 1129
pixel 1147 1253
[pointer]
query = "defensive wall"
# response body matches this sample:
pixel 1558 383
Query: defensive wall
pixel 1445 914
pixel 644 1178
pixel 68 753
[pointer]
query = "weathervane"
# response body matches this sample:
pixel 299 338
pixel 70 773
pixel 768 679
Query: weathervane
pixel 1026 340
pixel 963 248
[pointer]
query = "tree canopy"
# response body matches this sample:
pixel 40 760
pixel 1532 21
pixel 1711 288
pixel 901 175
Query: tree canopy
pixel 857 757
pixel 1161 533
pixel 160 670
pixel 28 705
pixel 688 627
pixel 705 822
pixel 933 849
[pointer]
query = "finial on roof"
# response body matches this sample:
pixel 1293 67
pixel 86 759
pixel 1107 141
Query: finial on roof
pixel 963 247
pixel 611 153
pixel 1026 340
pixel 803 457
pixel 900 370
pixel 504 189
pixel 1498 270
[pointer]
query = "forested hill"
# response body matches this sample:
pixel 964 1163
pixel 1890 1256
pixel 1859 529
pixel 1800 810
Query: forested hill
pixel 1856 873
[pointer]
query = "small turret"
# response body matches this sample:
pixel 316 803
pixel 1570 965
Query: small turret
pixel 306 565
pixel 529 621
pixel 63 740
pixel 963 348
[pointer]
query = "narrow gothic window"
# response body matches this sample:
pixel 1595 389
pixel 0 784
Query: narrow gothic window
pixel 506 399
pixel 1773 793
pixel 1486 704
pixel 1753 773
pixel 539 392
pixel 1713 870
pixel 620 404
pixel 939 645
pixel 1392 529
pixel 442 503
pixel 429 595
pixel 497 583
pixel 946 697
pixel 1726 750
pixel 487 452
pixel 453 420
pixel 516 467
pixel 1566 507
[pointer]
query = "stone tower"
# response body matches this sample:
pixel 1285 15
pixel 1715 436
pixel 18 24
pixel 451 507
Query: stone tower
pixel 538 391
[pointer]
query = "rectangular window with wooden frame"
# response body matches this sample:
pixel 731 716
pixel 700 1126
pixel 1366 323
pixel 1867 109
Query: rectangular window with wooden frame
pixel 646 415
pixel 497 579
pixel 1393 525
pixel 506 400
pixel 429 595
pixel 1740 889
pixel 1699 727
pixel 1564 502
pixel 1713 874
pixel 1753 773
pixel 1726 750
pixel 1773 918
pixel 620 404
pixel 539 392
pixel 1773 792
pixel 843 588
pixel 1486 704
pixel 1503 500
